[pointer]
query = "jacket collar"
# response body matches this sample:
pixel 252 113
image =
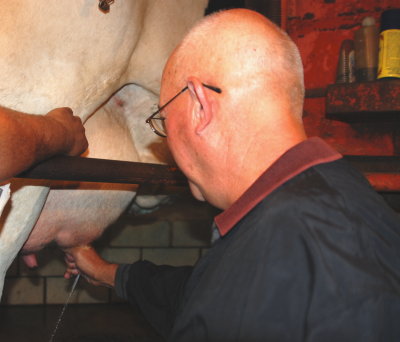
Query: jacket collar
pixel 299 158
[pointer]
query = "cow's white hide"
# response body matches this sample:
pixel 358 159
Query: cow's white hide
pixel 68 53
pixel 78 216
pixel 4 196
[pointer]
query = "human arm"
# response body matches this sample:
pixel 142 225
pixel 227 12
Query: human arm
pixel 85 260
pixel 26 139
pixel 156 290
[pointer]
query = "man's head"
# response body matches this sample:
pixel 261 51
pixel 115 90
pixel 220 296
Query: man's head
pixel 224 141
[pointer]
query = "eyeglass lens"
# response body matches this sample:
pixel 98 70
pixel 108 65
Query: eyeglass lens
pixel 159 125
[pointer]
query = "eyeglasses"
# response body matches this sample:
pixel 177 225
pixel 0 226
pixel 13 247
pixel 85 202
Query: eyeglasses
pixel 157 124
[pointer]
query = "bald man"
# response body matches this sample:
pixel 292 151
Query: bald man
pixel 27 139
pixel 304 249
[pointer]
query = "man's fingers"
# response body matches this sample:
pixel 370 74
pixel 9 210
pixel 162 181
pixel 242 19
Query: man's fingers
pixel 69 273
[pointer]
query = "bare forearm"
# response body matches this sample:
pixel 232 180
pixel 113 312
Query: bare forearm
pixel 26 139
pixel 106 276
pixel 20 143
pixel 96 270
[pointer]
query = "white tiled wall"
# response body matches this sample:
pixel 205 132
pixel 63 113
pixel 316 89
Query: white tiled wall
pixel 176 234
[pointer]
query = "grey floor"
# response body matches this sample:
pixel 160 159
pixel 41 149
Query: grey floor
pixel 80 323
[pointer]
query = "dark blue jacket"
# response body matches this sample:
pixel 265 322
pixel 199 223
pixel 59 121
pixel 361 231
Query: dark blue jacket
pixel 316 260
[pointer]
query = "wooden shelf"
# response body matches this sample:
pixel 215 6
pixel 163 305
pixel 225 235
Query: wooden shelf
pixel 377 101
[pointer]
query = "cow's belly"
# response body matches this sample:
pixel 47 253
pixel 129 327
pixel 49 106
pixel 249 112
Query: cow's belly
pixel 77 213
pixel 77 217
pixel 46 62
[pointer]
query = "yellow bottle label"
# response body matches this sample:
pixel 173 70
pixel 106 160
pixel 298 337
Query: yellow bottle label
pixel 389 54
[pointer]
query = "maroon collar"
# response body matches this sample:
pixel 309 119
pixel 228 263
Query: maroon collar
pixel 304 155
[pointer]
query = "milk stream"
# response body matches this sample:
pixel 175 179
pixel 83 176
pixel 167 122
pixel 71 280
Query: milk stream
pixel 64 307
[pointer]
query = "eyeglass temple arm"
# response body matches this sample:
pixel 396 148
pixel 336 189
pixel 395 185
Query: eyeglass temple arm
pixel 217 90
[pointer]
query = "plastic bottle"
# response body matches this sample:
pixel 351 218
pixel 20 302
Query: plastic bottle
pixel 345 69
pixel 366 50
pixel 389 44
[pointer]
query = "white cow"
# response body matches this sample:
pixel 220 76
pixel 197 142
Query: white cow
pixel 56 53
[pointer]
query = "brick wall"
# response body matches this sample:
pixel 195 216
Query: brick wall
pixel 176 234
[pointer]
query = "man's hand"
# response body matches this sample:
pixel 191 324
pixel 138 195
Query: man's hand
pixel 26 139
pixel 86 261
pixel 76 142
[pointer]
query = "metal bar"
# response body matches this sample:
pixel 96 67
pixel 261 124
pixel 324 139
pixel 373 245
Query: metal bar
pixel 382 171
pixel 104 171
pixel 375 164
pixel 384 182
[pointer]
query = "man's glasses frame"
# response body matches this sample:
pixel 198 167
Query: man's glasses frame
pixel 152 117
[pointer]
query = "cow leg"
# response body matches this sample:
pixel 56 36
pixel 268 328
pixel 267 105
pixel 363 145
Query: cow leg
pixel 16 224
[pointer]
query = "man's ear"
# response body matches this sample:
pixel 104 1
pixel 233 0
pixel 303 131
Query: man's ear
pixel 202 109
